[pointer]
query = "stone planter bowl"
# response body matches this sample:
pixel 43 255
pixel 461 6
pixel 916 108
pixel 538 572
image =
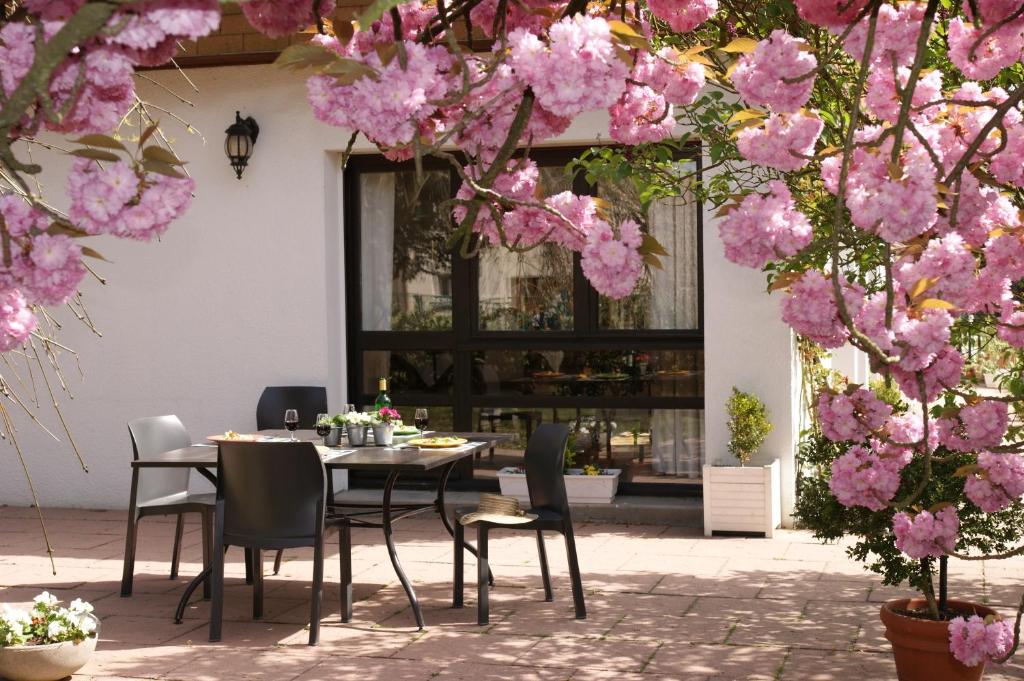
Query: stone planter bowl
pixel 50 662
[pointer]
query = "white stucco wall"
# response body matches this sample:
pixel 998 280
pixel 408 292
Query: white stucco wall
pixel 247 290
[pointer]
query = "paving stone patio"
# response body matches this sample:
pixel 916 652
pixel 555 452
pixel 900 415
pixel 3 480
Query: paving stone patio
pixel 663 603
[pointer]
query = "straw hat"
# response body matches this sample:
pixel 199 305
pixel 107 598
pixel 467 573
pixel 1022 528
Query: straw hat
pixel 498 509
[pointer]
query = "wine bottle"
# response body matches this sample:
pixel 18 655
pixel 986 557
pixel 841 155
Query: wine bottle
pixel 382 397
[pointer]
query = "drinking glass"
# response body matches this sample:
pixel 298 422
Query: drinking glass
pixel 323 425
pixel 421 420
pixel 291 421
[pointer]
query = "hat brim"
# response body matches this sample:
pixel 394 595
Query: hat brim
pixel 497 518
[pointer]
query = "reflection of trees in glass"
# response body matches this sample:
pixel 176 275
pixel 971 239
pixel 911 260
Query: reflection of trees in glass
pixel 414 371
pixel 421 293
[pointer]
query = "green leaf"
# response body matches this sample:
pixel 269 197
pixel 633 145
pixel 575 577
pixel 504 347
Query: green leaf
pixel 96 154
pixel 66 229
pixel 100 141
pixel 348 71
pixel 161 168
pixel 627 35
pixel 155 153
pixel 307 55
pixel 651 245
pixel 740 45
pixel 147 133
pixel 376 10
pixel 653 261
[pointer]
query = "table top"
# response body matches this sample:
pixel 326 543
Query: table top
pixel 352 458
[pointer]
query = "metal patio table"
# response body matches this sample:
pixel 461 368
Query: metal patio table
pixel 393 460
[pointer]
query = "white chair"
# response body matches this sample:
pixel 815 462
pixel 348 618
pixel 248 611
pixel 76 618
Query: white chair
pixel 163 491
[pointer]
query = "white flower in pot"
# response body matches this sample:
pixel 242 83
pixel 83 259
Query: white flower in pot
pixel 47 643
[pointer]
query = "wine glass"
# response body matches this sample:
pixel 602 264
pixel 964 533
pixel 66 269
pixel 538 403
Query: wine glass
pixel 421 420
pixel 323 425
pixel 291 421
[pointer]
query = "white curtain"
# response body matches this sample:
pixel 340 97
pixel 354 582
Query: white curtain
pixel 377 214
pixel 677 442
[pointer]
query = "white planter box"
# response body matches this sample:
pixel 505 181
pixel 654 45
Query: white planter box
pixel 742 498
pixel 581 489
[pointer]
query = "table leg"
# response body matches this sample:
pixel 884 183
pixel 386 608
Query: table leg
pixel 439 502
pixel 389 540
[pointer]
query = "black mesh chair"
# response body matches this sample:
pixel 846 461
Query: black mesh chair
pixel 271 495
pixel 545 454
pixel 162 491
pixel 307 399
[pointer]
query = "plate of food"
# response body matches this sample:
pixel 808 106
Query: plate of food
pixel 437 442
pixel 406 430
pixel 232 436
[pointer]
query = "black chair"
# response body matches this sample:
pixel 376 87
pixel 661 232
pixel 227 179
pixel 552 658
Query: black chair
pixel 545 454
pixel 162 491
pixel 308 400
pixel 271 495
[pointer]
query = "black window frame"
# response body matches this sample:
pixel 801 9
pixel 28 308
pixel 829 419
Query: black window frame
pixel 465 338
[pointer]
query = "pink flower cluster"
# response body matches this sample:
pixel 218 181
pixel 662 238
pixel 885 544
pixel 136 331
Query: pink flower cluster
pixel 784 142
pixel 883 102
pixel 151 31
pixel 613 264
pixel 926 534
pixel 851 416
pixel 17 322
pixel 991 55
pixel 118 199
pixel 998 482
pixel 529 14
pixel 944 372
pixel 577 70
pixel 519 182
pixel 860 477
pixel 641 115
pixel 760 77
pixel 810 308
pixel 830 13
pixel 764 227
pixel 390 107
pixel 975 640
pixel 677 80
pixel 978 426
pixel 895 35
pixel 276 18
pixel 683 16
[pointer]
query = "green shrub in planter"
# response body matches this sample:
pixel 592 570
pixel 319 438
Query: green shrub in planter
pixel 748 424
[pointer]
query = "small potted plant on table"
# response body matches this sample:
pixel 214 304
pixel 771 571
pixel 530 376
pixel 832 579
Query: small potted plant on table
pixel 384 421
pixel 356 423
pixel 48 642
pixel 744 498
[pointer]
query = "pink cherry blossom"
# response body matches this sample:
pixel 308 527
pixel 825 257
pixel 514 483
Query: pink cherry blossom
pixel 764 227
pixel 533 15
pixel 1011 327
pixel 578 68
pixel 977 426
pixel 641 115
pixel 926 534
pixel 943 373
pixel 278 18
pixel 51 271
pixel 998 482
pixel 20 217
pixel 613 264
pixel 518 182
pixel 670 75
pixel 830 13
pixel 851 416
pixel 999 50
pixel 760 77
pixel 53 10
pixel 683 15
pixel 149 32
pixel 810 308
pixel 883 102
pixel 974 641
pixel 17 321
pixel 949 261
pixel 783 142
pixel 896 28
pixel 861 478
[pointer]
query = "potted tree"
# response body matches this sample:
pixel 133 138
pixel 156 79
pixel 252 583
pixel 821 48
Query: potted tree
pixel 743 498
pixel 48 642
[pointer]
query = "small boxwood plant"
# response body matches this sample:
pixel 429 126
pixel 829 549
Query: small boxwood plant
pixel 748 424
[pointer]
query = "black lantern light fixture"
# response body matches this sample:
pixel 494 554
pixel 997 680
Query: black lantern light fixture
pixel 241 138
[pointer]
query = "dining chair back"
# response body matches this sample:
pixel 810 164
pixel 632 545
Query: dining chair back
pixel 273 493
pixel 152 436
pixel 270 495
pixel 545 458
pixel 306 399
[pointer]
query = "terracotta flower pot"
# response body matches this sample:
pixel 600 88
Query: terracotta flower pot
pixel 921 647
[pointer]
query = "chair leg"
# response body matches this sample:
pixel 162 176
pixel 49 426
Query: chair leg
pixel 179 530
pixel 248 566
pixel 574 572
pixel 217 580
pixel 257 584
pixel 277 561
pixel 130 537
pixel 318 589
pixel 345 556
pixel 207 548
pixel 458 560
pixel 543 554
pixel 483 615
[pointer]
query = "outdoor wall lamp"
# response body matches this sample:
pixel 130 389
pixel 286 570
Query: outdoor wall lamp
pixel 241 138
